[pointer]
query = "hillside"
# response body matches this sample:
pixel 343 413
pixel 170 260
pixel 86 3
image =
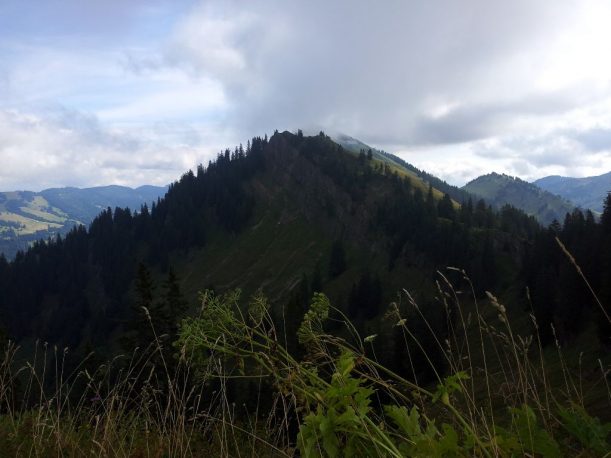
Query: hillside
pixel 276 216
pixel 296 270
pixel 499 190
pixel 588 192
pixel 421 177
pixel 27 216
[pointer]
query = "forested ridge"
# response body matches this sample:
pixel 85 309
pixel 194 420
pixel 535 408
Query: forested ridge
pixel 85 280
pixel 311 259
pixel 27 216
pixel 500 189
pixel 60 287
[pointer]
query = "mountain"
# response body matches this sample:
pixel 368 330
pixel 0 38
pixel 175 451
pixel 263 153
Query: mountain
pixel 419 177
pixel 288 217
pixel 27 216
pixel 499 190
pixel 589 192
pixel 291 215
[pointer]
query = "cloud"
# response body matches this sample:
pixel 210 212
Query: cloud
pixel 596 139
pixel 64 147
pixel 454 87
pixel 557 152
pixel 377 72
pixel 408 76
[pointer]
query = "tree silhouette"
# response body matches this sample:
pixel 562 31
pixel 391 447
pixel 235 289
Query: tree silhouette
pixel 337 261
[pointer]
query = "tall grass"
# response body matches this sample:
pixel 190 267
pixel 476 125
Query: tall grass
pixel 496 393
pixel 133 406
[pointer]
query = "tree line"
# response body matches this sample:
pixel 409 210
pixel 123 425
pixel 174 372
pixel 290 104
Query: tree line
pixel 79 286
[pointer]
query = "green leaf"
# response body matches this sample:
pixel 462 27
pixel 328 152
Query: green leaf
pixel 589 431
pixel 531 436
pixel 408 422
pixel 449 440
pixel 345 364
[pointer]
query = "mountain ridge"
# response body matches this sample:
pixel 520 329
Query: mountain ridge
pixel 501 189
pixel 586 192
pixel 268 218
pixel 27 216
pixel 289 217
pixel 356 146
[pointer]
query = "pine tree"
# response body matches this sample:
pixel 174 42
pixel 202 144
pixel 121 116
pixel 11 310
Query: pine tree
pixel 173 305
pixel 362 156
pixel 316 284
pixel 143 317
pixel 445 207
pixel 337 262
pixel 605 219
pixel 466 212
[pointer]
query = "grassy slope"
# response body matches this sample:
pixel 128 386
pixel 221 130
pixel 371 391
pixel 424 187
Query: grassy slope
pixel 355 146
pixel 29 214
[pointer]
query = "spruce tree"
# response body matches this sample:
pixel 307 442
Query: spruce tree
pixel 445 207
pixel 605 219
pixel 337 262
pixel 173 305
pixel 143 314
pixel 316 284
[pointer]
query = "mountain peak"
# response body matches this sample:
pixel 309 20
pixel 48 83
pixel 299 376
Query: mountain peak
pixel 501 189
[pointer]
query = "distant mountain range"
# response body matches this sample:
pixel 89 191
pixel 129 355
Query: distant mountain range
pixel 499 190
pixel 586 192
pixel 27 216
pixel 546 199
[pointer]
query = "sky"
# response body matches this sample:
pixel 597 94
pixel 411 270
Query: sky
pixel 137 92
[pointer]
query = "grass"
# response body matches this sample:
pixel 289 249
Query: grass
pixel 27 225
pixel 126 407
pixel 278 247
pixel 44 215
pixel 502 394
pixel 27 217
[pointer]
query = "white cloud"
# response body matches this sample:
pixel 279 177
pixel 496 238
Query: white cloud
pixel 458 88
pixel 69 148
pixel 413 76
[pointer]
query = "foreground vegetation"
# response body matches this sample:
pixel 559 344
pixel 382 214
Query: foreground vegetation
pixel 228 387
